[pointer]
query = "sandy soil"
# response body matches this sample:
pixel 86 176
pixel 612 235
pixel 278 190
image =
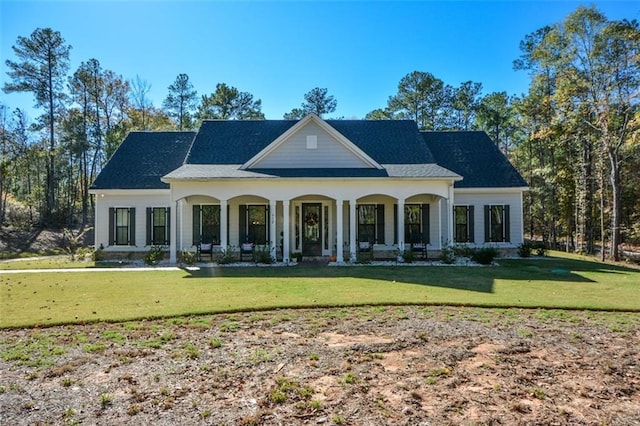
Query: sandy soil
pixel 356 366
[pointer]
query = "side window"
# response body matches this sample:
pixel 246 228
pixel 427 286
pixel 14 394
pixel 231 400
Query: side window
pixel 496 226
pixel 122 226
pixel 463 220
pixel 158 226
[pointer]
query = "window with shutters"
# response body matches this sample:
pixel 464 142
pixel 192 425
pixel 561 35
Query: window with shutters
pixel 158 226
pixel 366 222
pixel 121 223
pixel 416 223
pixel 463 220
pixel 497 223
pixel 206 224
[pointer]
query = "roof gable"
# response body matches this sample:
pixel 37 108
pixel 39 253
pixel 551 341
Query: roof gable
pixel 311 143
pixel 475 157
pixel 142 159
pixel 239 141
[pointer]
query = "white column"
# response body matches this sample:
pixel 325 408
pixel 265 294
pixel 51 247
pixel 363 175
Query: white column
pixel 440 223
pixel 352 229
pixel 179 220
pixel 286 206
pixel 401 224
pixel 273 243
pixel 173 235
pixel 450 216
pixel 224 219
pixel 339 231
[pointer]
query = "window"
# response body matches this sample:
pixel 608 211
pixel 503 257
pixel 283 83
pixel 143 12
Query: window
pixel 366 222
pixel 416 223
pixel 370 223
pixel 254 220
pixel 463 222
pixel 122 226
pixel 496 223
pixel 157 226
pixel 206 224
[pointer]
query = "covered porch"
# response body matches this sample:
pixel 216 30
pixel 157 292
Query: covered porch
pixel 311 217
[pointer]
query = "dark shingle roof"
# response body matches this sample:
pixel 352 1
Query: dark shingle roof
pixel 235 142
pixel 142 159
pixel 475 157
pixel 386 141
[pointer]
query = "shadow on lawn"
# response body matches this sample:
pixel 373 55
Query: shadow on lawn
pixel 479 279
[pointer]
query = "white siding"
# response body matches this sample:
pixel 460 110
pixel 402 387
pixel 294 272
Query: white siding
pixel 293 152
pixel 138 200
pixel 479 200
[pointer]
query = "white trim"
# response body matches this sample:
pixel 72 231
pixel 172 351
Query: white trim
pixel 503 190
pixel 298 126
pixel 137 192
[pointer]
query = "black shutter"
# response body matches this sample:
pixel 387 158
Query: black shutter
pixel 487 229
pixel 470 223
pixel 132 226
pixel 228 227
pixel 395 224
pixel 425 224
pixel 149 226
pixel 507 224
pixel 167 228
pixel 242 226
pixel 380 223
pixel 112 221
pixel 196 224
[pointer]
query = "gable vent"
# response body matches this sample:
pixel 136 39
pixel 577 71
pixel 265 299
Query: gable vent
pixel 312 142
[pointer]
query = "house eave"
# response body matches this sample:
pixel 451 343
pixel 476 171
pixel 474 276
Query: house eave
pixel 493 190
pixel 126 191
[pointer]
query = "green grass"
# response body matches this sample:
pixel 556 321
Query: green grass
pixel 52 262
pixel 567 282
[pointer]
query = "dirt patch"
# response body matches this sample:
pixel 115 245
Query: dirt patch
pixel 360 366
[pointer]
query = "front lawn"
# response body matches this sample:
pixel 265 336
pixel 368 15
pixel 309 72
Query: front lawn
pixel 566 282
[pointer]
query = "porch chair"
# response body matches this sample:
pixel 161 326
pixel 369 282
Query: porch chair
pixel 204 248
pixel 247 248
pixel 365 247
pixel 419 246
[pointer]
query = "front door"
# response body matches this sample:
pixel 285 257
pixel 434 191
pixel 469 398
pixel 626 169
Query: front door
pixel 312 229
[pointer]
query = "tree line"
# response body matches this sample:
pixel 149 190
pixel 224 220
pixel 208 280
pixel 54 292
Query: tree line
pixel 574 136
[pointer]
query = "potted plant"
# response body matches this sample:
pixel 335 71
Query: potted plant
pixel 296 256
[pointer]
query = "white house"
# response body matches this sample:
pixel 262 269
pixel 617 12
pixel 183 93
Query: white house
pixel 319 187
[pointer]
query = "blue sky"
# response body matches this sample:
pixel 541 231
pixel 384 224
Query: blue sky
pixel 278 51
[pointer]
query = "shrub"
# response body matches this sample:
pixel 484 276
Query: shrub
pixel 187 257
pixel 484 255
pixel 154 256
pixel 407 256
pixel 464 250
pixel 226 256
pixel 448 255
pixel 98 254
pixel 541 248
pixel 263 255
pixel 524 249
